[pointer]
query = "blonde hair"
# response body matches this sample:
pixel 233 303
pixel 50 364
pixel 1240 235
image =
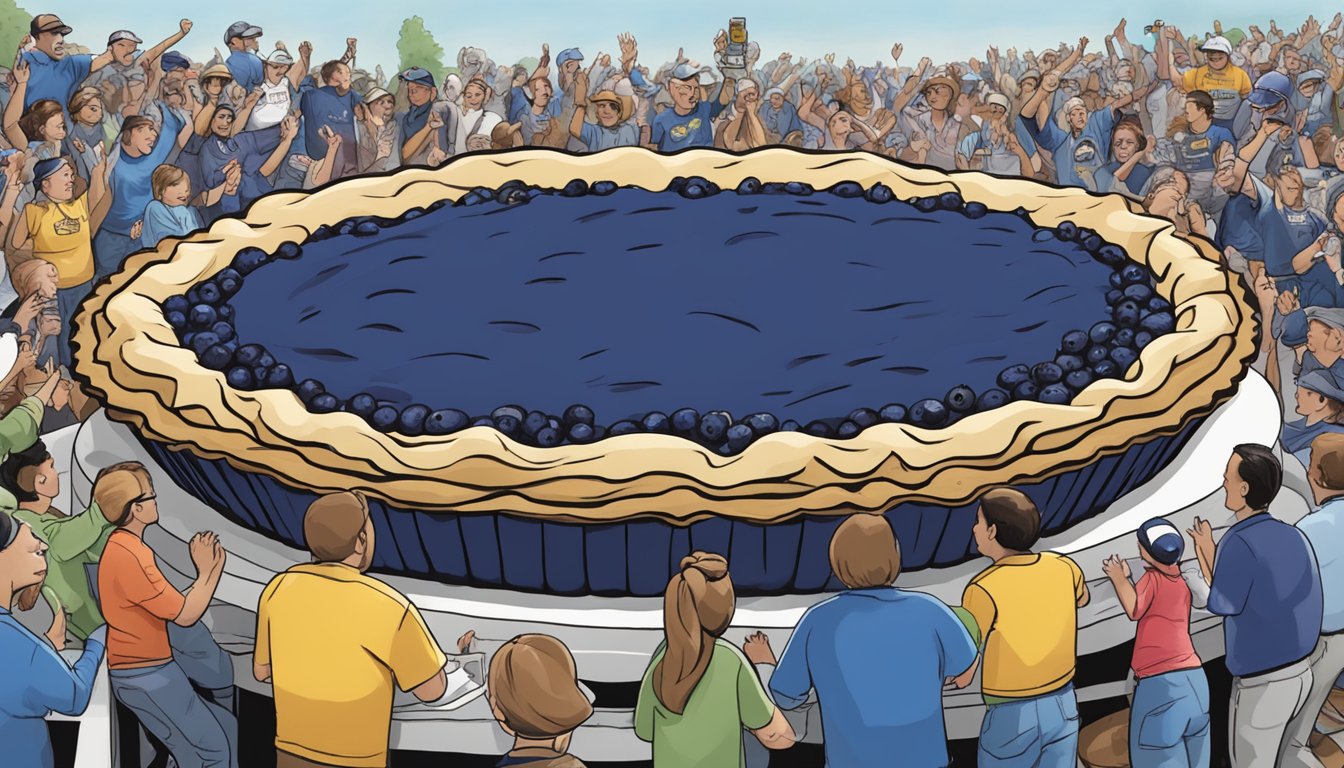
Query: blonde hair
pixel 164 177
pixel 697 608
pixel 82 98
pixel 865 552
pixel 534 685
pixel 24 276
pixel 119 487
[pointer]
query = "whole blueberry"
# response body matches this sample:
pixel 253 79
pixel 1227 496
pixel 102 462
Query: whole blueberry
pixel 847 189
pixel 248 260
pixel 893 413
pixel 603 188
pixel 507 424
pixel 366 229
pixel 819 429
pixel 534 422
pixel 483 421
pixel 624 427
pixel 580 433
pixel 575 188
pixel 789 426
pixel 739 437
pixel 209 292
pixel 976 210
pixel 1124 337
pixel 324 403
pixel 225 312
pixel 879 193
pixel 229 281
pixel 1133 274
pixel 548 437
pixel 749 186
pixel 950 201
pixel 928 413
pixel 1096 353
pixel 1158 304
pixel 1142 339
pixel 1069 363
pixel 685 420
pixel 249 354
pixel 960 398
pixel 1013 375
pixel 203 341
pixel 289 250
pixel 411 422
pixel 1067 231
pixel 925 204
pixel 991 399
pixel 1046 373
pixel 1026 390
pixel 1114 296
pixel 239 377
pixel 280 377
pixel 385 418
pixel 1092 242
pixel 177 303
pixel 1078 380
pixel 1116 280
pixel 512 411
pixel 1022 213
pixel 216 358
pixel 1055 394
pixel 1158 323
pixel 188 338
pixel 223 330
pixel 310 388
pixel 363 405
pixel 413 214
pixel 773 187
pixel 847 429
pixel 1124 357
pixel 797 188
pixel 864 417
pixel 713 426
pixel 203 316
pixel 1074 342
pixel 599 432
pixel 266 360
pixel 1138 293
pixel 656 422
pixel 1101 332
pixel 694 190
pixel 577 414
pixel 446 421
pixel 765 423
pixel 177 320
pixel 1111 255
pixel 513 196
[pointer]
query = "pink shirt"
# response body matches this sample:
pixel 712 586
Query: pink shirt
pixel 1162 640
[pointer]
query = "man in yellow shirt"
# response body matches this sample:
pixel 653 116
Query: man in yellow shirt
pixel 1025 606
pixel 333 641
pixel 1227 84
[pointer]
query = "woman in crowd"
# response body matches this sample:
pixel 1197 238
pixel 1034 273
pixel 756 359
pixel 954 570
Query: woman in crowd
pixel 169 214
pixel 1127 173
pixel 1320 403
pixel 42 129
pixel 379 141
pixel 699 691
pixel 535 696
pixel 93 129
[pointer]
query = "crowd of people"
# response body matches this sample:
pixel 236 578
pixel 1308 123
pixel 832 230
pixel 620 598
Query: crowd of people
pixel 1233 135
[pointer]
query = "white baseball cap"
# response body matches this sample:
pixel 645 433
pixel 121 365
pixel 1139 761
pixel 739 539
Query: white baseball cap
pixel 997 98
pixel 1217 43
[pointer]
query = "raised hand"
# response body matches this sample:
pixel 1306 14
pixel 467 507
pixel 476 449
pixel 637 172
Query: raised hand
pixel 1120 30
pixel 435 121
pixel 1116 568
pixel 305 49
pixel 924 65
pixel 603 60
pixel 137 229
pixel 896 50
pixel 721 42
pixel 56 634
pixel 830 58
pixel 464 642
pixel 1201 532
pixel 581 85
pixel 21 70
pixel 1082 45
pixel 1287 303
pixel 27 357
pixel 1050 82
pixel 289 127
pixel 757 649
pixel 60 398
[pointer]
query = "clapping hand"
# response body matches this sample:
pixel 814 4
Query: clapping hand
pixel 1201 533
pixel 757 649
pixel 435 121
pixel 465 641
pixel 56 634
pixel 1287 303
pixel 1116 568
pixel 137 229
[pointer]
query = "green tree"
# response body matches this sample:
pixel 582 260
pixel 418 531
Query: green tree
pixel 13 26
pixel 416 47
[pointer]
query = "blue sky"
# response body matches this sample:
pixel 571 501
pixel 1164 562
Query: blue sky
pixel 944 30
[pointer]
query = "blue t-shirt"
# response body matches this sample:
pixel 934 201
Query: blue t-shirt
pixel 1136 182
pixel 1324 529
pixel 55 79
pixel 782 121
pixel 38 682
pixel 1196 152
pixel 247 69
pixel 671 131
pixel 324 106
pixel 1267 587
pixel 877 659
pixel 131 190
pixel 596 137
pixel 1075 154
pixel 1255 228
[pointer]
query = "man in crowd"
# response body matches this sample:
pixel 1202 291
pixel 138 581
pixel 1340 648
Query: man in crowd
pixel 332 107
pixel 687 123
pixel 243 62
pixel 56 75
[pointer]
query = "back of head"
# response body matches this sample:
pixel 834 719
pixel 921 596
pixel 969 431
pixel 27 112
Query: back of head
pixel 26 274
pixel 332 525
pixel 534 686
pixel 1014 516
pixel 18 470
pixel 33 123
pixel 117 488
pixel 1327 461
pixel 865 552
pixel 697 608
pixel 1262 473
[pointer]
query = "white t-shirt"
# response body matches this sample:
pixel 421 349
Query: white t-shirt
pixel 473 122
pixel 273 105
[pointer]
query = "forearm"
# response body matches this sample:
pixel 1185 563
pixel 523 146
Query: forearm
pixel 1124 590
pixel 272 163
pixel 70 537
pixel 153 54
pixel 13 111
pixel 202 118
pixel 576 122
pixel 1303 259
pixel 198 598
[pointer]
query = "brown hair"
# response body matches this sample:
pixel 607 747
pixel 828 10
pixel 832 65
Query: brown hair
pixel 329 70
pixel 1327 461
pixel 1013 514
pixel 133 122
pixel 34 120
pixel 865 552
pixel 164 177
pixel 333 523
pixel 697 608
pixel 24 276
pixel 82 98
pixel 120 487
pixel 534 685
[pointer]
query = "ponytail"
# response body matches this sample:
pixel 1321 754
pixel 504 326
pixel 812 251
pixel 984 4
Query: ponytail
pixel 697 608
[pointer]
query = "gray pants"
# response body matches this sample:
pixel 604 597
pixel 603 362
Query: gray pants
pixel 1326 664
pixel 198 733
pixel 1261 709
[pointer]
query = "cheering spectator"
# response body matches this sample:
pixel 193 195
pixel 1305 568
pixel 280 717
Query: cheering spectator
pixel 694 659
pixel 995 148
pixel 928 644
pixel 1320 403
pixel 244 157
pixel 305 636
pixel 380 134
pixel 1126 173
pixel 278 88
pixel 1225 83
pixel 169 213
pixel 475 124
pixel 57 76
pixel 535 697
pixel 536 110
pixel 92 131
pixel 939 126
pixel 331 108
pixel 143 147
pixel 35 313
pixel 743 130
pixel 1265 583
pixel 1169 719
pixel 422 126
pixel 613 127
pixel 1198 148
pixel 37 680
pixel 1025 607
pixel 146 674
pixel 779 117
pixel 245 66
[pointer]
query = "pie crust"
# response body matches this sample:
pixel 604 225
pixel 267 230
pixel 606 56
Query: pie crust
pixel 127 353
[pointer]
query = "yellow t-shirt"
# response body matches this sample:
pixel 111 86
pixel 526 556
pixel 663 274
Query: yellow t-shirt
pixel 1027 610
pixel 61 235
pixel 337 641
pixel 1227 87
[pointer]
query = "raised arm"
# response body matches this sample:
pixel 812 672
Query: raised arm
pixel 152 55
pixel 289 128
pixel 911 86
pixel 14 109
pixel 1117 571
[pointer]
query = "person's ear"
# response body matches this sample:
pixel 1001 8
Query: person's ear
pixel 991 531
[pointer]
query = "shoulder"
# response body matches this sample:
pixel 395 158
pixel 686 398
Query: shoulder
pixel 727 653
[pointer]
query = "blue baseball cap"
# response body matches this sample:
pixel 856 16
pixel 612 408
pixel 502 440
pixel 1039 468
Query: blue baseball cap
pixel 1323 383
pixel 174 60
pixel 1294 329
pixel 1270 89
pixel 569 54
pixel 44 168
pixel 1162 541
pixel 418 76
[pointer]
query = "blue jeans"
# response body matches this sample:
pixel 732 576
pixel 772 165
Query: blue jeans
pixel 1169 721
pixel 109 251
pixel 198 733
pixel 67 302
pixel 1040 732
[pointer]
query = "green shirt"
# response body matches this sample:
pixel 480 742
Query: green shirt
pixel 72 543
pixel 18 432
pixel 708 734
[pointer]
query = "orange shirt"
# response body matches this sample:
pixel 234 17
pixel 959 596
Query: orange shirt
pixel 137 602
